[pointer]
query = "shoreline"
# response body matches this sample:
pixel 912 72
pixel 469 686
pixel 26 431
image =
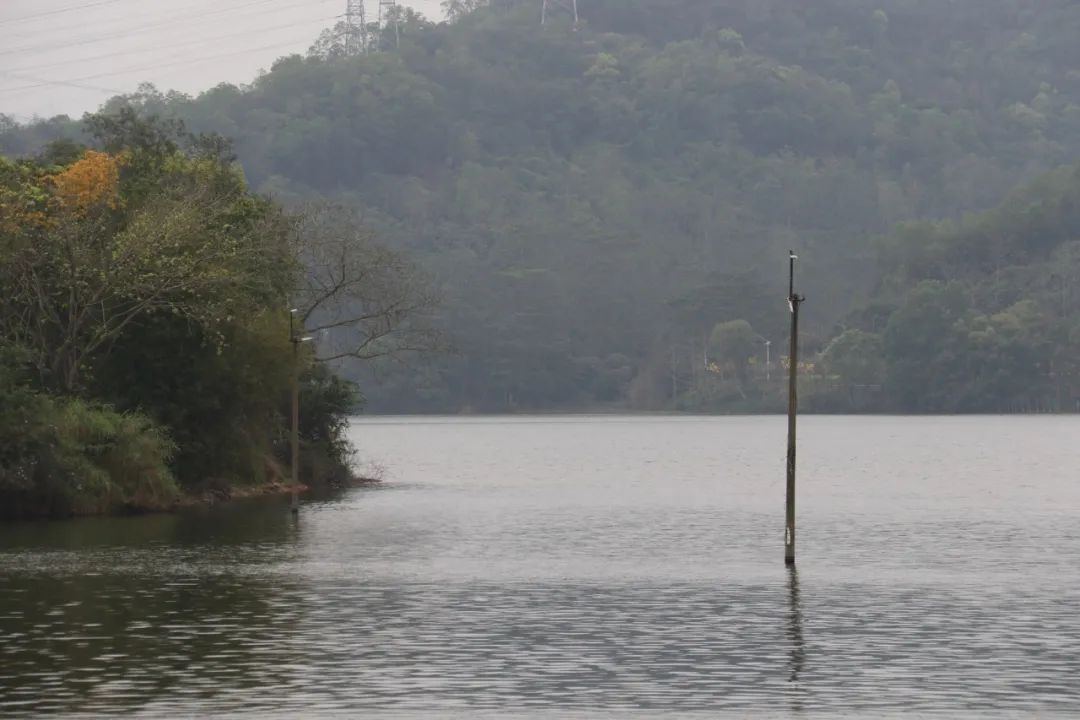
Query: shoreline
pixel 273 488
pixel 207 499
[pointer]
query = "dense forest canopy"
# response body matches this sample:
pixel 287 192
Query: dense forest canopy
pixel 608 209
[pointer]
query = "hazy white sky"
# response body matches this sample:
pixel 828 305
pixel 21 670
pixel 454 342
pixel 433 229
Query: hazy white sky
pixel 67 56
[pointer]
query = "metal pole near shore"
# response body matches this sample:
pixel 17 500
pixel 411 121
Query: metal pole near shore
pixel 296 340
pixel 794 302
pixel 295 438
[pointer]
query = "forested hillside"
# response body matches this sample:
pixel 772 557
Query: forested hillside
pixel 973 316
pixel 608 210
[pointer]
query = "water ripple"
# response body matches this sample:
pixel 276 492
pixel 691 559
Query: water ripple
pixel 524 584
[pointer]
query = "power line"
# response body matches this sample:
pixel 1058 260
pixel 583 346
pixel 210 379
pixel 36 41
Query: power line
pixel 74 8
pixel 64 83
pixel 110 22
pixel 134 69
pixel 149 48
pixel 158 24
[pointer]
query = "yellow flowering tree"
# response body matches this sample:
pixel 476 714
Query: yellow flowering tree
pixel 80 263
pixel 92 182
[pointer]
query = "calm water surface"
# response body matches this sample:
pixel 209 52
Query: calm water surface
pixel 596 566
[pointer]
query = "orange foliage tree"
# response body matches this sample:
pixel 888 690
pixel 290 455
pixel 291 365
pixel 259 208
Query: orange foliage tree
pixel 92 181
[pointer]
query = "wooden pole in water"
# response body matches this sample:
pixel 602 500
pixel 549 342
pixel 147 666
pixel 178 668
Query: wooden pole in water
pixel 794 302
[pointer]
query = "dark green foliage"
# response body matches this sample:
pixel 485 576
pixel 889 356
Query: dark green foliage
pixel 163 284
pixel 23 425
pixel 65 456
pixel 218 400
pixel 733 344
pixel 1001 333
pixel 326 403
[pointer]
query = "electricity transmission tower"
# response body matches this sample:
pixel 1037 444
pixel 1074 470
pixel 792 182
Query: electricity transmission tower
pixel 356 28
pixel 361 37
pixel 553 7
pixel 390 15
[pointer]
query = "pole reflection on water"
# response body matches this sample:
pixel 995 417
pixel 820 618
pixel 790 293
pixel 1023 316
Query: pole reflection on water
pixel 794 625
pixel 796 691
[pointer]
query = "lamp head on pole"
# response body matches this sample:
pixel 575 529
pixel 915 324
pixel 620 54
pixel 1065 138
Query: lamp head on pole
pixel 793 299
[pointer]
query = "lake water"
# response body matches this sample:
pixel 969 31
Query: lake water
pixel 596 567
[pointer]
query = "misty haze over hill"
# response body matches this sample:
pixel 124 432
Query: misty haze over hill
pixel 608 211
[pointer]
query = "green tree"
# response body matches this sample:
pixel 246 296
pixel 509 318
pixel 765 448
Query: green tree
pixel 856 360
pixel 924 345
pixel 148 292
pixel 733 343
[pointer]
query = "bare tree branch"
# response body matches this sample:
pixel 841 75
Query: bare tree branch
pixel 361 300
